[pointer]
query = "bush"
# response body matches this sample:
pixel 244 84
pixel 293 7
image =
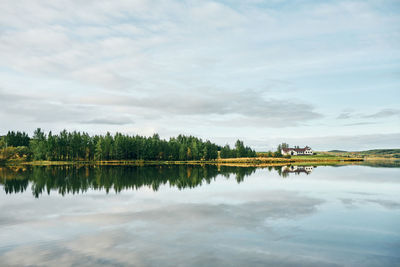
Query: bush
pixel 12 152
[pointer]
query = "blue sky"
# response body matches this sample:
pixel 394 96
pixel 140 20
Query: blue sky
pixel 318 73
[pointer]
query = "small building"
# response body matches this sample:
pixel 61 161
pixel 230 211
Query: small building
pixel 297 151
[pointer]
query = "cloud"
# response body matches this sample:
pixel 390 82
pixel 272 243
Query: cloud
pixel 359 123
pixel 382 114
pixel 341 142
pixel 344 115
pixel 113 45
pixel 116 121
pixel 356 142
pixel 385 113
pixel 151 60
pixel 225 109
pixel 249 104
pixel 39 109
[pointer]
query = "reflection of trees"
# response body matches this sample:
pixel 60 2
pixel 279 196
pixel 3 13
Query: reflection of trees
pixel 278 169
pixel 284 174
pixel 14 180
pixel 69 179
pixel 74 180
pixel 15 186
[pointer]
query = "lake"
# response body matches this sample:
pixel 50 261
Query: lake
pixel 200 216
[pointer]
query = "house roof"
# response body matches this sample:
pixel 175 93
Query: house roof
pixel 296 149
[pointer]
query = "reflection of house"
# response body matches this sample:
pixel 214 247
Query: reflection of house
pixel 297 151
pixel 297 169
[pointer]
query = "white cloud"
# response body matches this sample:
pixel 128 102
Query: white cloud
pixel 158 56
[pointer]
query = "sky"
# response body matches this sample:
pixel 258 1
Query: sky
pixel 319 73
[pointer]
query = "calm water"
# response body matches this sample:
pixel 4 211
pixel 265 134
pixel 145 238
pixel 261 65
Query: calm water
pixel 200 216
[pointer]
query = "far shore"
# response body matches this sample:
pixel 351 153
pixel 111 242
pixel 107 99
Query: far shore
pixel 256 161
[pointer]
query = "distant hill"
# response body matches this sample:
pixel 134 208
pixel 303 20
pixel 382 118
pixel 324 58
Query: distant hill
pixel 380 153
pixel 393 153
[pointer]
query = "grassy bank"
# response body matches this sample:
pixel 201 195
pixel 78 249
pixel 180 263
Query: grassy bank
pixel 257 161
pixel 373 154
pixel 299 160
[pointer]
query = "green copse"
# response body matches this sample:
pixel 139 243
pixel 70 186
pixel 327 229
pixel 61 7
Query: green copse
pixel 73 146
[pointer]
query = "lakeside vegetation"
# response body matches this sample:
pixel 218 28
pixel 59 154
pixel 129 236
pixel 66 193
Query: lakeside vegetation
pixel 75 179
pixel 262 161
pixel 77 146
pixel 66 148
pixel 373 154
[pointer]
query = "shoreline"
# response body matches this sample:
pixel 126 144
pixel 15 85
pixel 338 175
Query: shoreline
pixel 251 162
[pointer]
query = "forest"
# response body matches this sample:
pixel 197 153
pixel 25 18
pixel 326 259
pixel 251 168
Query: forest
pixel 74 146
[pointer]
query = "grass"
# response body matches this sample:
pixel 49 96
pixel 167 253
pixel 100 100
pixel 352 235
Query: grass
pixel 374 154
pixel 257 161
pixel 105 162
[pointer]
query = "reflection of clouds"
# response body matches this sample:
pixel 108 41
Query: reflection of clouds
pixel 386 203
pixel 92 250
pixel 363 175
pixel 363 193
pixel 9 221
pixel 96 207
pixel 348 203
pixel 257 222
pixel 107 250
pixel 170 234
pixel 248 214
pixel 352 203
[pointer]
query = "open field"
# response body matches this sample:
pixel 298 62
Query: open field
pixel 293 159
pixel 373 154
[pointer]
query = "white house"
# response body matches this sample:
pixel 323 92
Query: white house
pixel 297 151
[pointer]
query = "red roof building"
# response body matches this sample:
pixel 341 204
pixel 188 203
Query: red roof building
pixel 297 151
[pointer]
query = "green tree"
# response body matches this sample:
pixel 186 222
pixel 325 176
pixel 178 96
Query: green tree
pixel 240 150
pixel 99 150
pixel 278 152
pixel 38 144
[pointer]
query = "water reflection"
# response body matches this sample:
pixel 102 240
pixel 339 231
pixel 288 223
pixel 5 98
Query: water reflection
pixel 296 169
pixel 346 216
pixel 70 179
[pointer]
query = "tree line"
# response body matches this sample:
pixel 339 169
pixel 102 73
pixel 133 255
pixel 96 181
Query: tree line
pixel 70 146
